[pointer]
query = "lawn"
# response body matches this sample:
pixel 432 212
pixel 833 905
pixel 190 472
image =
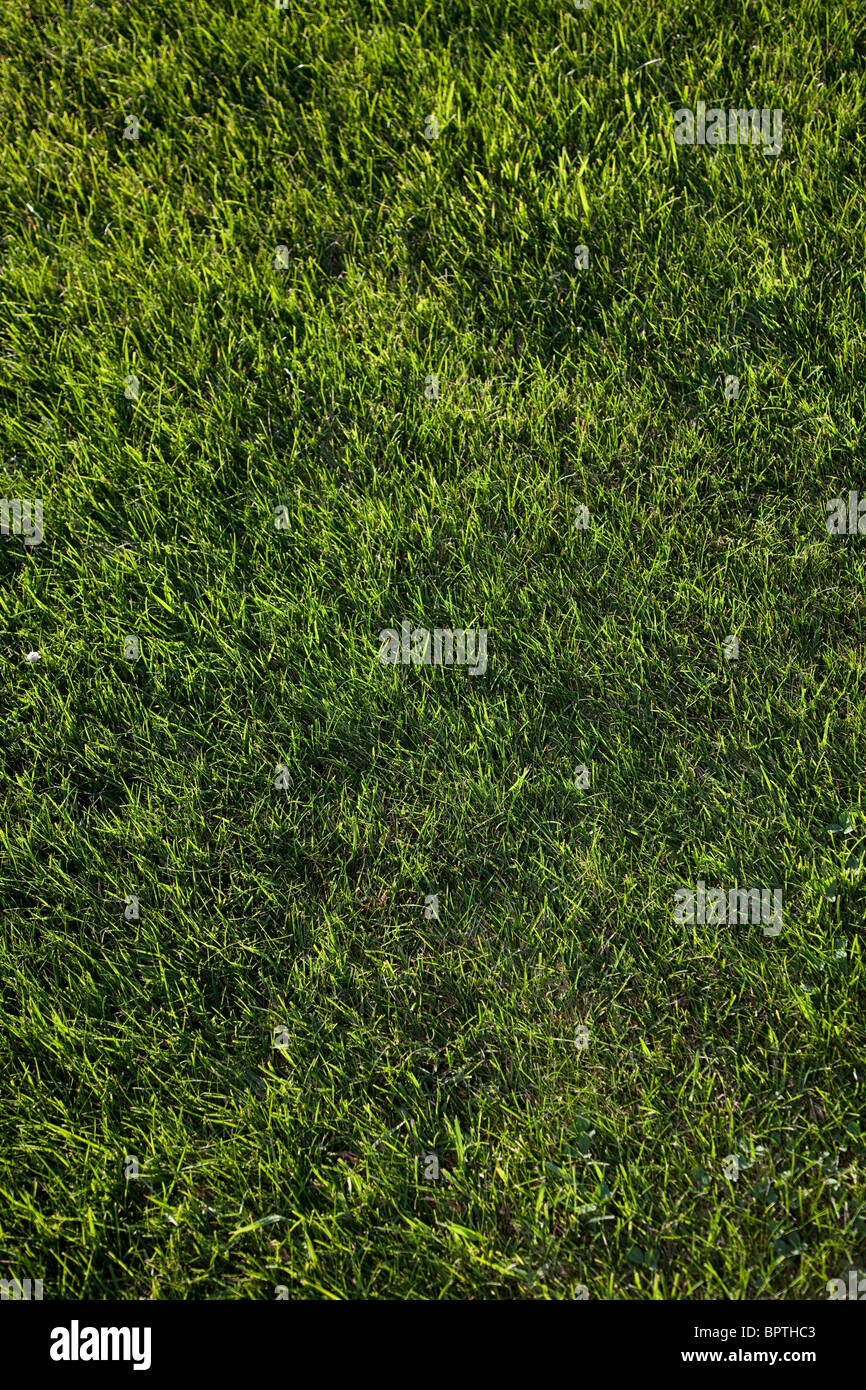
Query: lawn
pixel 325 976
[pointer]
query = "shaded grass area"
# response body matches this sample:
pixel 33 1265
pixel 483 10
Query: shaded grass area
pixel 298 913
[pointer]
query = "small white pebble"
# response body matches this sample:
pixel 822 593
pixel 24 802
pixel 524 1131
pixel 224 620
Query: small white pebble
pixel 34 656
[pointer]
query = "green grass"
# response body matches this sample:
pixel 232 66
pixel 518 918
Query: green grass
pixel 303 908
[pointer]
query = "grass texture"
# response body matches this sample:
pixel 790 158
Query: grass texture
pixel 253 460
